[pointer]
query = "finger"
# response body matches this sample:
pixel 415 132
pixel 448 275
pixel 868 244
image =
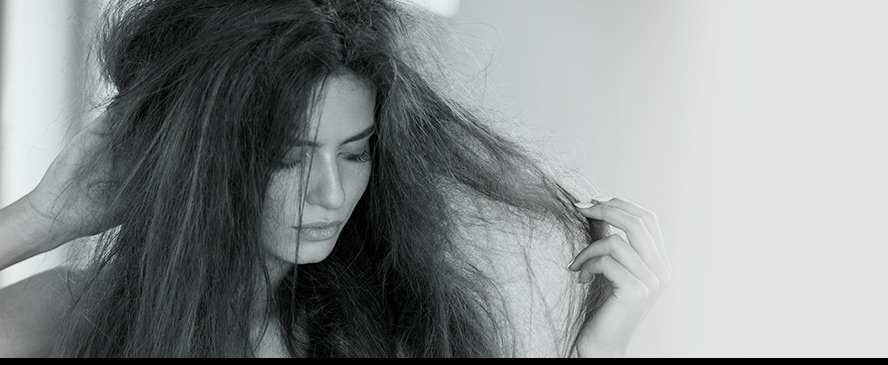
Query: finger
pixel 636 230
pixel 625 255
pixel 639 237
pixel 650 221
pixel 627 288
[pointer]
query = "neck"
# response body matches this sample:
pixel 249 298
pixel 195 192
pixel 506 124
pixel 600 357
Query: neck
pixel 277 270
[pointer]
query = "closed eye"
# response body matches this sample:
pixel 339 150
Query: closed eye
pixel 365 156
pixel 291 163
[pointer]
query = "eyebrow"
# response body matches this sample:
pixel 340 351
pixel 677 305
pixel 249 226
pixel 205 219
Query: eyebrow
pixel 363 134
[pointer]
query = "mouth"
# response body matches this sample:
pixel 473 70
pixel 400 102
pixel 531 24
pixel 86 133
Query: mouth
pixel 318 232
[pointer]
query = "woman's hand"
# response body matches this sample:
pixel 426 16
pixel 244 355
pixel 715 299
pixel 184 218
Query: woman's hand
pixel 67 204
pixel 638 269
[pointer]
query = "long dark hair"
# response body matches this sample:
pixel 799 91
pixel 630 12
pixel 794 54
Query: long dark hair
pixel 207 95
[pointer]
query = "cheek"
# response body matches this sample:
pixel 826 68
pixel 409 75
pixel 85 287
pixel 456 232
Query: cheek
pixel 355 182
pixel 280 208
pixel 282 201
pixel 276 209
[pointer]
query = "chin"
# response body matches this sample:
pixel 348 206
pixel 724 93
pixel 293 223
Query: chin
pixel 309 252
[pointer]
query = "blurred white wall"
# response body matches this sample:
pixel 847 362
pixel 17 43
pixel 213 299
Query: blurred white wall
pixel 445 8
pixel 37 102
pixel 755 129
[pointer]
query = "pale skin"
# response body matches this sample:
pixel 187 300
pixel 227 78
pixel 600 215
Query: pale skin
pixel 340 171
pixel 638 268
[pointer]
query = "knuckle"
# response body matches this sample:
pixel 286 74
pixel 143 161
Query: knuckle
pixel 637 293
pixel 618 241
pixel 653 216
pixel 610 242
pixel 605 247
pixel 596 265
pixel 649 215
pixel 590 265
pixel 644 292
pixel 603 244
pixel 655 285
pixel 645 213
pixel 598 261
pixel 665 281
pixel 606 214
pixel 637 221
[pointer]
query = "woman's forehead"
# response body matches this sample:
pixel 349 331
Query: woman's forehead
pixel 345 111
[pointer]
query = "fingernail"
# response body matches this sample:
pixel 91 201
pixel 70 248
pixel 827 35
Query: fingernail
pixel 571 264
pixel 602 198
pixel 585 205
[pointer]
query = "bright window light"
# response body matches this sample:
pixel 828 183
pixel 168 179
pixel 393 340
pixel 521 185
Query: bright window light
pixel 445 8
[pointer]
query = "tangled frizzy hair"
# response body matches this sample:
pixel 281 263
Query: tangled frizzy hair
pixel 207 96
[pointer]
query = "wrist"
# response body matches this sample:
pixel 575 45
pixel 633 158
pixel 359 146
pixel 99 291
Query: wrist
pixel 46 231
pixel 25 233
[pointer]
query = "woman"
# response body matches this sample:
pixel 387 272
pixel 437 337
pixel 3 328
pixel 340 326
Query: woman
pixel 290 178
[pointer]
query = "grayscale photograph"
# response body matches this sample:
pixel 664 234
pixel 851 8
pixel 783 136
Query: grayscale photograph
pixel 443 178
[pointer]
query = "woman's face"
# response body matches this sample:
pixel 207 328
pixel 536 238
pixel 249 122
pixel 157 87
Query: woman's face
pixel 340 171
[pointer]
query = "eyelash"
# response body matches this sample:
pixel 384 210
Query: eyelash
pixel 363 157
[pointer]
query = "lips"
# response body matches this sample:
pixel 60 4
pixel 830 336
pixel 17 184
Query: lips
pixel 320 224
pixel 318 231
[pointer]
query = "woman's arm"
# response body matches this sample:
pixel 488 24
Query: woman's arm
pixel 23 234
pixel 29 308
pixel 65 205
pixel 60 209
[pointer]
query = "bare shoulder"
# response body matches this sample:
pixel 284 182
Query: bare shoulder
pixel 30 309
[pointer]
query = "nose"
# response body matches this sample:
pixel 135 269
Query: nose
pixel 325 187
